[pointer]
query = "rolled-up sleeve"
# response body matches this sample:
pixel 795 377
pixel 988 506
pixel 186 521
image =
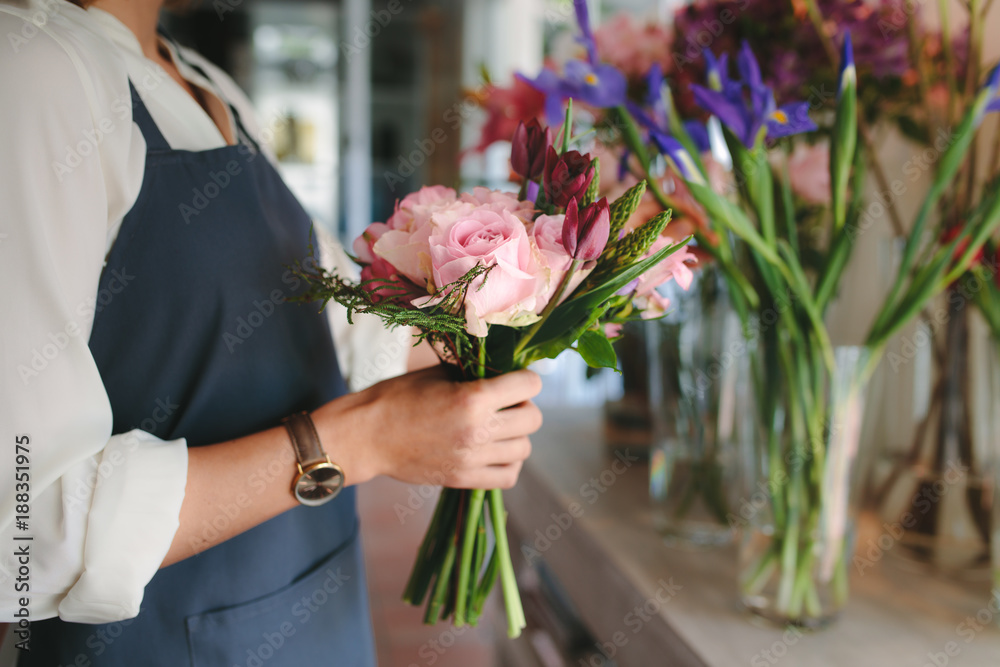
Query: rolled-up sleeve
pixel 96 512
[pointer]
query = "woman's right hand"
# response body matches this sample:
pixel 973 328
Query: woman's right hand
pixel 425 428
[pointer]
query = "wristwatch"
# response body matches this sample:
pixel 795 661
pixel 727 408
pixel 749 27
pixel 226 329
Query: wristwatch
pixel 319 480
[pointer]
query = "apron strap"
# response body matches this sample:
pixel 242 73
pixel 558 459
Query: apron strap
pixel 241 130
pixel 140 116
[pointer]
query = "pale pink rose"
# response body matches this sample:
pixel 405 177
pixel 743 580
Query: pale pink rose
pixel 676 266
pixel 504 200
pixel 612 330
pixel 405 244
pixel 547 235
pixel 428 196
pixel 494 238
pixel 809 172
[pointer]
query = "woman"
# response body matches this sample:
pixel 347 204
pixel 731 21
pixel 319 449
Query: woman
pixel 155 376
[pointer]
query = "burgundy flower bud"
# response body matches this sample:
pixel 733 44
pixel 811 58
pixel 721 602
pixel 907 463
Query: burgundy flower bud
pixel 527 153
pixel 567 176
pixel 585 231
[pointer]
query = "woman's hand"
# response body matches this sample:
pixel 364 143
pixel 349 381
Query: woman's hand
pixel 425 428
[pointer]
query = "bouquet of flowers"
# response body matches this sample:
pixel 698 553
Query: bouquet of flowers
pixel 495 281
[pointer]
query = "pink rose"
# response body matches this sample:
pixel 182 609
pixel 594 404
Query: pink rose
pixel 498 199
pixel 494 238
pixel 427 196
pixel 404 244
pixel 547 232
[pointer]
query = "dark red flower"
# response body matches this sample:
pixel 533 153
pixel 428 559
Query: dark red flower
pixel 528 149
pixel 567 176
pixel 585 231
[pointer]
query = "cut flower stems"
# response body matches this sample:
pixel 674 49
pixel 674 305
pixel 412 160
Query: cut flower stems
pixel 801 390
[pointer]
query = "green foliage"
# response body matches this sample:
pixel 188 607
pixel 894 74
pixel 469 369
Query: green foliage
pixel 441 324
pixel 596 350
pixel 623 207
pixel 590 196
pixel 620 253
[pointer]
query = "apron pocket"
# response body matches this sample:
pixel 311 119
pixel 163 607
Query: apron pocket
pixel 319 619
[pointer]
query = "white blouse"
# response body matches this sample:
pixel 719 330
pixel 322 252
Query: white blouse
pixel 103 509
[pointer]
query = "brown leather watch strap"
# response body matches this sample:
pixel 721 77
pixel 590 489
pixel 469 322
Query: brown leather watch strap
pixel 305 439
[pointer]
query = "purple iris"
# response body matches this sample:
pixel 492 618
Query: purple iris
pixel 717 72
pixel 590 82
pixel 600 86
pixel 993 83
pixel 587 34
pixel 746 106
pixel 699 135
pixel 847 70
pixel 668 146
pixel 654 100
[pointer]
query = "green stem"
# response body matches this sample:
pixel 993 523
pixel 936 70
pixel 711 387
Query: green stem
pixel 473 512
pixel 488 582
pixel 477 567
pixel 430 552
pixel 755 583
pixel 944 14
pixel 441 585
pixel 568 127
pixel 511 596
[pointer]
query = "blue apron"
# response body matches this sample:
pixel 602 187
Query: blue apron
pixel 197 341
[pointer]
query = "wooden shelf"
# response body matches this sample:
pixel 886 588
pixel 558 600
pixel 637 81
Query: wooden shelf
pixel 611 561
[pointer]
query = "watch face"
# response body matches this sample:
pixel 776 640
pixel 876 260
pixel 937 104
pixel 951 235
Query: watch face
pixel 319 484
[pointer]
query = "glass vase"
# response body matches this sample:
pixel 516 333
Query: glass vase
pixel 934 478
pixel 693 353
pixel 627 422
pixel 800 509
